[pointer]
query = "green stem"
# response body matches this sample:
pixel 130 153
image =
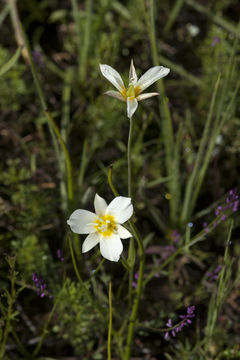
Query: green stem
pixel 76 18
pixel 52 125
pixel 86 40
pixel 100 310
pixel 130 278
pixel 11 300
pixel 201 236
pixel 130 281
pixel 229 26
pixel 134 313
pixel 66 154
pixel 44 332
pixel 26 355
pixel 135 307
pixel 191 181
pixel 110 321
pixel 129 158
pixel 114 190
pixel 173 15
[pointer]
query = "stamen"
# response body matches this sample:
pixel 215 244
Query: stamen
pixel 105 225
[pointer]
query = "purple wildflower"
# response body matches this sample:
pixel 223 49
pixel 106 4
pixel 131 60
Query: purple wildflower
pixel 176 236
pixel 41 286
pixel 223 211
pixel 60 255
pixel 215 41
pixel 185 320
pixel 134 283
pixel 167 251
pixel 37 57
pixel 213 275
pixel 205 225
pixel 218 210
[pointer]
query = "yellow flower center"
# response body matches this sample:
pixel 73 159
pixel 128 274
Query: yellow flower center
pixel 131 92
pixel 105 225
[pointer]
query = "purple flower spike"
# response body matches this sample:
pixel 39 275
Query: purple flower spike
pixel 232 203
pixel 60 255
pixel 213 276
pixel 136 275
pixel 215 41
pixel 41 285
pixel 185 320
pixel 176 236
pixel 169 323
pixel 134 284
pixel 166 336
pixel 37 57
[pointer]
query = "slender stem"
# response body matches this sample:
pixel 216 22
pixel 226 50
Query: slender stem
pixel 66 154
pixel 200 155
pixel 129 158
pixel 135 307
pixel 76 18
pixel 130 279
pixel 44 332
pixel 26 355
pixel 134 313
pixel 114 190
pixel 88 295
pixel 86 39
pixel 11 300
pixel 229 26
pixel 51 122
pixel 110 321
pixel 173 15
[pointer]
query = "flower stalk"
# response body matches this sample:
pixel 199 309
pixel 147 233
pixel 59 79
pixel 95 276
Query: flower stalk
pixel 109 320
pixel 129 158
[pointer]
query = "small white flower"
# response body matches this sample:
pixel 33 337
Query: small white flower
pixel 193 29
pixel 104 226
pixel 132 94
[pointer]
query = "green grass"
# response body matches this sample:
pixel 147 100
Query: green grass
pixel 63 141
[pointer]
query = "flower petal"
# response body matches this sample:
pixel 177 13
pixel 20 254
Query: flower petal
pixel 123 233
pixel 113 76
pixel 146 96
pixel 90 241
pixel 121 208
pixel 153 74
pixel 111 247
pixel 115 94
pixel 132 75
pixel 81 221
pixel 131 107
pixel 100 205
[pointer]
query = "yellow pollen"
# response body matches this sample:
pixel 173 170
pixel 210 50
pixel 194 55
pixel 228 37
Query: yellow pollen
pixel 137 90
pixel 105 225
pixel 131 92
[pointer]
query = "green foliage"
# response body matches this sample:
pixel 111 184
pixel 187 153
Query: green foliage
pixel 33 256
pixel 13 89
pixel 27 211
pixel 78 322
pixel 184 161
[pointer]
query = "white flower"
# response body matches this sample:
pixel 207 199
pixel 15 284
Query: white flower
pixel 132 94
pixel 104 226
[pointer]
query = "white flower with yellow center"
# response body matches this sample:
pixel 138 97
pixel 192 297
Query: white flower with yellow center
pixel 132 94
pixel 104 226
